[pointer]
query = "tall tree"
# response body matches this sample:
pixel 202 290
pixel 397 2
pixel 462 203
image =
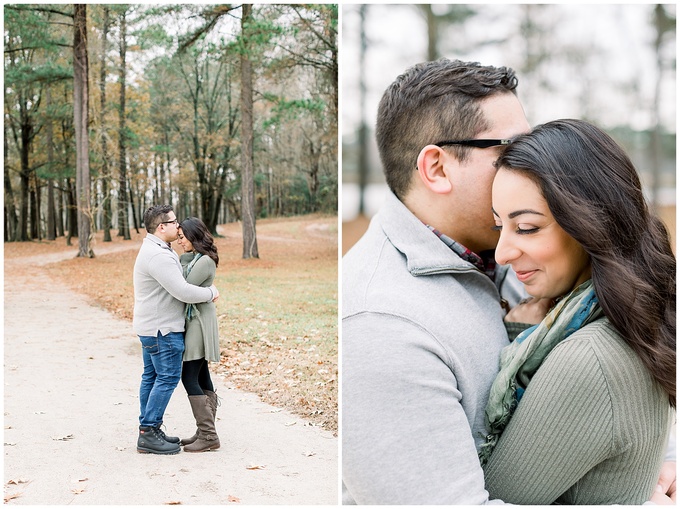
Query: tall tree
pixel 441 19
pixel 363 167
pixel 51 206
pixel 247 181
pixel 11 220
pixel 32 46
pixel 211 16
pixel 123 223
pixel 80 121
pixel 206 83
pixel 22 120
pixel 106 198
pixel 664 25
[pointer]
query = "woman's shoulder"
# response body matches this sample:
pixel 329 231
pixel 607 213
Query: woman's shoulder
pixel 206 261
pixel 185 258
pixel 601 342
pixel 600 331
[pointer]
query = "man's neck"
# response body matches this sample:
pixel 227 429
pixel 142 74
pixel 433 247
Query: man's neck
pixel 161 237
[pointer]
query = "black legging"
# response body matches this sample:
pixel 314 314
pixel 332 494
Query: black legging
pixel 196 377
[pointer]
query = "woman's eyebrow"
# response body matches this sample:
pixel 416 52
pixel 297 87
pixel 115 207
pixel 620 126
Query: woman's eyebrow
pixel 516 213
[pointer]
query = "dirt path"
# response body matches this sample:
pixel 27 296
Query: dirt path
pixel 72 375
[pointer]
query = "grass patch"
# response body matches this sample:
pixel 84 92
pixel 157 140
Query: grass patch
pixel 278 315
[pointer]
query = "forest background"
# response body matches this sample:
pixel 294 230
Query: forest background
pixel 227 112
pixel 613 65
pixel 173 113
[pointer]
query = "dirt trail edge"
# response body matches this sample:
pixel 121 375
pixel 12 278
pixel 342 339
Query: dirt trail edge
pixel 71 407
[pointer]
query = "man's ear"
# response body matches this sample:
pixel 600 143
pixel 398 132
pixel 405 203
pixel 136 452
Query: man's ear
pixel 432 170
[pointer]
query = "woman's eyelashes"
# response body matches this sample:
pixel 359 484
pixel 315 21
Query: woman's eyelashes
pixel 526 229
pixel 520 229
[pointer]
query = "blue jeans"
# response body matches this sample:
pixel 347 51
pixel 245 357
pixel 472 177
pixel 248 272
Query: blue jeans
pixel 162 357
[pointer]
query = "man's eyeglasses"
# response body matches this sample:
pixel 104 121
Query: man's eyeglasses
pixel 474 143
pixel 170 222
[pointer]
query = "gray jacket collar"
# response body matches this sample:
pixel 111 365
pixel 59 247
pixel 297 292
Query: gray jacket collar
pixel 425 253
pixel 159 242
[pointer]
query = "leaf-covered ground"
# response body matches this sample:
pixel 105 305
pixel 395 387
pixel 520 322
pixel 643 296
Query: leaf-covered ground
pixel 278 315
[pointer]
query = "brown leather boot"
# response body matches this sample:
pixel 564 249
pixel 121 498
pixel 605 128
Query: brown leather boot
pixel 213 400
pixel 205 421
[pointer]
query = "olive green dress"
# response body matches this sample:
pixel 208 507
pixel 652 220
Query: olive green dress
pixel 201 337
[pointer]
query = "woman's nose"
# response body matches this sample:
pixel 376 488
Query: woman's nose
pixel 506 251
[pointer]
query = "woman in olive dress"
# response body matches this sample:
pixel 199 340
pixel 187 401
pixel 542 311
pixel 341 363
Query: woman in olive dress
pixel 201 339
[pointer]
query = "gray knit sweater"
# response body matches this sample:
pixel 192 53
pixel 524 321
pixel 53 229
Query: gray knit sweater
pixel 422 331
pixel 161 290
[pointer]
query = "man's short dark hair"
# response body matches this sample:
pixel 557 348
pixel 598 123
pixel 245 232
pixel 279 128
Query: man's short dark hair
pixel 430 102
pixel 155 215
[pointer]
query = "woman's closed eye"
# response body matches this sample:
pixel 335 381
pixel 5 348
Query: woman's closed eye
pixel 524 229
pixel 521 229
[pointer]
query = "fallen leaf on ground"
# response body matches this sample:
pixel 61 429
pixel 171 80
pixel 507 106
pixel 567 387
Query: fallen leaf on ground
pixel 10 443
pixel 173 503
pixel 77 491
pixel 67 437
pixel 291 423
pixel 10 497
pixel 232 498
pixel 255 467
pixel 310 453
pixel 18 481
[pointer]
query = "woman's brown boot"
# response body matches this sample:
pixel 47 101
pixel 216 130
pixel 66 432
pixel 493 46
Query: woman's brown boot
pixel 205 421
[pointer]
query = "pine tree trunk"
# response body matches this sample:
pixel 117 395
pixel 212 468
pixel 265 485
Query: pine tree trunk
pixel 11 220
pixel 106 202
pixel 35 206
pixel 49 134
pixel 247 178
pixel 25 175
pixel 51 212
pixel 71 212
pixel 80 122
pixel 60 212
pixel 123 223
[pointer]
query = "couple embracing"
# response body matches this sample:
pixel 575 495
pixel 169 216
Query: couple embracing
pixel 176 321
pixel 508 329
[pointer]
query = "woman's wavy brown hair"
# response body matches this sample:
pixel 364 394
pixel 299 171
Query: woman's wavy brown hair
pixel 594 193
pixel 196 232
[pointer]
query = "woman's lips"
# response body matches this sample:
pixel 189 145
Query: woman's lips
pixel 523 275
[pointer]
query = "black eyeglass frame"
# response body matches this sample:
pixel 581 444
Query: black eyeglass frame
pixel 169 222
pixel 481 143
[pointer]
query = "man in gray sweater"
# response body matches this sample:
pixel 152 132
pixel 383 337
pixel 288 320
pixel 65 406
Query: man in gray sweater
pixel 423 302
pixel 160 293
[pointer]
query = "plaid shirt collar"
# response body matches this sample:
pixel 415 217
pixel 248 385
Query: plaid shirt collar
pixel 484 263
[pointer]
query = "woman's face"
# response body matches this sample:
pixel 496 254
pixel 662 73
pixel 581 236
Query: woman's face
pixel 547 260
pixel 184 242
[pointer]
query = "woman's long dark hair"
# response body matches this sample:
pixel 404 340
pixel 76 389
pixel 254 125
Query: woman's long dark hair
pixel 594 193
pixel 198 234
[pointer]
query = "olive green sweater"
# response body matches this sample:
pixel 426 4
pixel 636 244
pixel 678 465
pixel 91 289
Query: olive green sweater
pixel 201 335
pixel 591 428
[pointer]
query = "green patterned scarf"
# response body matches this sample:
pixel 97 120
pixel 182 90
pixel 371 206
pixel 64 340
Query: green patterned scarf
pixel 191 310
pixel 522 358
